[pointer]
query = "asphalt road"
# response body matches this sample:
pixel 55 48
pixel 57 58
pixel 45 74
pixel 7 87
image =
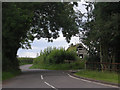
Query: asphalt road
pixel 52 79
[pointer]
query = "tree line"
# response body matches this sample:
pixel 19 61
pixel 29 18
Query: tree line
pixel 102 32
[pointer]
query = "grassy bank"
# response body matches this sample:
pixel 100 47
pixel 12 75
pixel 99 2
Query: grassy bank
pixel 97 75
pixel 8 75
pixel 66 66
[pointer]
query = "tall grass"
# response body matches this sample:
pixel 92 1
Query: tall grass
pixel 8 75
pixel 98 75
pixel 64 66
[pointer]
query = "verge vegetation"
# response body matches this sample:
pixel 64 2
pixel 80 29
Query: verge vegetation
pixel 58 59
pixel 8 75
pixel 98 75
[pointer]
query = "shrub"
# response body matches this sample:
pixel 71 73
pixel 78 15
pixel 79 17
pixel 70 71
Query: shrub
pixel 55 56
pixel 54 59
pixel 71 56
pixel 43 56
pixel 38 60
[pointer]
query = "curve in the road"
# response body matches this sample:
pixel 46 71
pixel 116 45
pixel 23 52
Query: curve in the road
pixel 37 78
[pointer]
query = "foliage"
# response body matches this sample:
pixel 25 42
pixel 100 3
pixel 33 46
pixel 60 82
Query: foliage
pixel 24 60
pixel 79 64
pixel 55 56
pixel 102 32
pixel 22 22
pixel 70 55
pixel 55 59
pixel 72 48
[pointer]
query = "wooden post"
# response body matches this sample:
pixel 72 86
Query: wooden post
pixel 85 65
pixel 101 57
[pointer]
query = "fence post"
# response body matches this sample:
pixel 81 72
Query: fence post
pixel 85 65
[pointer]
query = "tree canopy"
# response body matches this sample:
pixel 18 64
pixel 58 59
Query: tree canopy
pixel 102 32
pixel 22 22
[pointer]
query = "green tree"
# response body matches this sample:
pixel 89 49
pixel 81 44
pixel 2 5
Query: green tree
pixel 22 22
pixel 103 31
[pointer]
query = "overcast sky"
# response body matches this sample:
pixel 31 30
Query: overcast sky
pixel 41 44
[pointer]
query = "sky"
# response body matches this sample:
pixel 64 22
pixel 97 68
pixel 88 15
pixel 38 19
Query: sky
pixel 41 44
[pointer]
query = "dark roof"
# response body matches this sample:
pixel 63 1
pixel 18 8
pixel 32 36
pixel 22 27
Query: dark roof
pixel 80 46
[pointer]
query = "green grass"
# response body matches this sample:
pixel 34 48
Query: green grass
pixel 97 75
pixel 8 75
pixel 66 66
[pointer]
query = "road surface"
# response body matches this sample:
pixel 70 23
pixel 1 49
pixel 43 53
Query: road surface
pixel 52 79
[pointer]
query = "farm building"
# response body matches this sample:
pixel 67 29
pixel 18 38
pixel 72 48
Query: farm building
pixel 79 49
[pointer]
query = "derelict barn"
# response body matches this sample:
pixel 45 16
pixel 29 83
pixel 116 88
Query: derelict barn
pixel 81 51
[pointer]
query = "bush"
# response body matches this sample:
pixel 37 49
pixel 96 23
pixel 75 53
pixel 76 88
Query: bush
pixel 71 56
pixel 55 56
pixel 55 59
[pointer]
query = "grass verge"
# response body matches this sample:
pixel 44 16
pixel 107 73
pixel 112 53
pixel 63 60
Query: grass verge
pixel 66 66
pixel 8 75
pixel 97 75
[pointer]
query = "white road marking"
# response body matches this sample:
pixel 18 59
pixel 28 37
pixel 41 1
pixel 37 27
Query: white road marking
pixel 51 86
pixel 41 77
pixel 93 81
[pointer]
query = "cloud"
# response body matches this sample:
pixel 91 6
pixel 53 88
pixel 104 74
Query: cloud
pixel 27 54
pixel 41 44
pixel 81 7
pixel 35 48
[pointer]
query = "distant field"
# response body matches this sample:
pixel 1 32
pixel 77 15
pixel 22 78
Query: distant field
pixel 23 60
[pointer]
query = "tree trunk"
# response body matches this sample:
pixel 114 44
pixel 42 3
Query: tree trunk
pixel 101 58
pixel 105 56
pixel 9 52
